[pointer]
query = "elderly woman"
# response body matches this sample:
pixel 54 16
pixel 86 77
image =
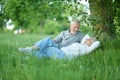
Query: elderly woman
pixel 50 49
pixel 74 49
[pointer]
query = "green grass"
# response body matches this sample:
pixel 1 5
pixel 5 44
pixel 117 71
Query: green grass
pixel 101 64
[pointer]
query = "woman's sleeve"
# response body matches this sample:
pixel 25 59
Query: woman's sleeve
pixel 95 45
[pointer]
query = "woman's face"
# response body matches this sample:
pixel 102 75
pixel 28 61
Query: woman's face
pixel 88 42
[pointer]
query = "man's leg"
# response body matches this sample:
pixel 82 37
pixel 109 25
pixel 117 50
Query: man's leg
pixel 26 49
pixel 40 45
pixel 44 43
pixel 34 47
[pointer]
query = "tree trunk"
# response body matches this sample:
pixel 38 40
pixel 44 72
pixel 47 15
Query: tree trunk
pixel 101 10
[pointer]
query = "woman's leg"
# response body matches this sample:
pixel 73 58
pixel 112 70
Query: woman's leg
pixel 55 53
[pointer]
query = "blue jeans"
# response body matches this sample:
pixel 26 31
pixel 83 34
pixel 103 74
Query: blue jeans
pixel 48 48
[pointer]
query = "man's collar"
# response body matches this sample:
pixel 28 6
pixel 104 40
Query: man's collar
pixel 70 33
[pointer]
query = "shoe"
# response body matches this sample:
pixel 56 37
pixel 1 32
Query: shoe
pixel 25 50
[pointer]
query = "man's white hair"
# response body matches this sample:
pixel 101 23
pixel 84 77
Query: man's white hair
pixel 75 21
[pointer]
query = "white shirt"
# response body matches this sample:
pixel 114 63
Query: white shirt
pixel 75 49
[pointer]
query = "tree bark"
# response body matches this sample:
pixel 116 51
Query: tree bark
pixel 101 10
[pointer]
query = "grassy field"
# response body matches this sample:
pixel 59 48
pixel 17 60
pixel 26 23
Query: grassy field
pixel 101 64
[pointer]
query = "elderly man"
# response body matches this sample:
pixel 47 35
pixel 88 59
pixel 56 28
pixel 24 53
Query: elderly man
pixel 65 38
pixel 69 36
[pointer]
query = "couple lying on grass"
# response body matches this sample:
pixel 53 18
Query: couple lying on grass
pixel 69 43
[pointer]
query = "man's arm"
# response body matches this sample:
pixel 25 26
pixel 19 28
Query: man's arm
pixel 58 38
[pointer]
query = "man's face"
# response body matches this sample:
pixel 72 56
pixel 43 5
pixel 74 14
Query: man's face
pixel 74 27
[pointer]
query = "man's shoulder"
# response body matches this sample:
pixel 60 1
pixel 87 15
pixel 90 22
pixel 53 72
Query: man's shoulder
pixel 64 31
pixel 80 33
